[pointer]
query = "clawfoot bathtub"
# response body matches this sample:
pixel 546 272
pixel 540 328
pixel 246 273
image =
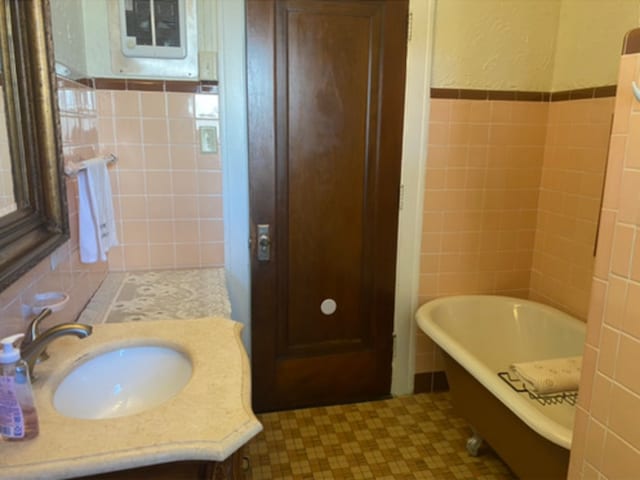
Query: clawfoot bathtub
pixel 481 335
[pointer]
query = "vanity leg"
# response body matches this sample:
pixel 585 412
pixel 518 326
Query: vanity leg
pixel 229 469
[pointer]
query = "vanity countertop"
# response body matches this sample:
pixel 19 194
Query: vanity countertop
pixel 208 420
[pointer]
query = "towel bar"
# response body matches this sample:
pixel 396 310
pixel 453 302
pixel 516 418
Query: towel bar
pixel 636 90
pixel 71 169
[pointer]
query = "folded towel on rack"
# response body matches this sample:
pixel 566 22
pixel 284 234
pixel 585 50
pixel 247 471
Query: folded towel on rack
pixel 95 212
pixel 550 376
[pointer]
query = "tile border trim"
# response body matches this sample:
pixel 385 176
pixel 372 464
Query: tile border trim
pixel 524 96
pixel 582 93
pixel 430 382
pixel 631 42
pixel 472 94
pixel 208 86
pixel 183 86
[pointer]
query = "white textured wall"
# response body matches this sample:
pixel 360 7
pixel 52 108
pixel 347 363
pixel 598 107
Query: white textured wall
pixel 96 26
pixel 547 45
pixel 589 41
pixel 68 34
pixel 495 44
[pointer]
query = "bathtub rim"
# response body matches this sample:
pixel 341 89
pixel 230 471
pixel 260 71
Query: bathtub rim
pixel 520 405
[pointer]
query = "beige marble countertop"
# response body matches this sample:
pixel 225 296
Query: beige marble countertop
pixel 208 420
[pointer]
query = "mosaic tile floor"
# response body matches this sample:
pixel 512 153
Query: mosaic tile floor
pixel 412 437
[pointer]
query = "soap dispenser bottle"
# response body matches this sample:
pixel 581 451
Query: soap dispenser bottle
pixel 18 417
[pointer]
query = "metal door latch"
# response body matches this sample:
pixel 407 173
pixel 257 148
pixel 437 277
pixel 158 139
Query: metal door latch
pixel 264 243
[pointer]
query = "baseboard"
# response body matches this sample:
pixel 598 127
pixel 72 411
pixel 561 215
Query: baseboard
pixel 429 382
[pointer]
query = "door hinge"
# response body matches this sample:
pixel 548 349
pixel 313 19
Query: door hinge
pixel 401 197
pixel 409 26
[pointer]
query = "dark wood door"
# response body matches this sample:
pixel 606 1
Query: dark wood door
pixel 326 94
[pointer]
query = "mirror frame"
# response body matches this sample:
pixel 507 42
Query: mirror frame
pixel 41 222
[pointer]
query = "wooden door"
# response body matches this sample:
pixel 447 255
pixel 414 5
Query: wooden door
pixel 326 93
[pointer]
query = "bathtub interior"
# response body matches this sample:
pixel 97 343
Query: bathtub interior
pixel 500 332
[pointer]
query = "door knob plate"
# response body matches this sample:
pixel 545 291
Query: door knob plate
pixel 264 243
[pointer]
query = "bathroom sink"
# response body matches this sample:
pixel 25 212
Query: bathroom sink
pixel 122 382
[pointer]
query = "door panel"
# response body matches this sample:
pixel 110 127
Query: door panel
pixel 325 128
pixel 328 96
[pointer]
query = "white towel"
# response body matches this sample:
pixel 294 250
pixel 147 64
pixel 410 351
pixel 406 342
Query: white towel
pixel 550 376
pixel 95 211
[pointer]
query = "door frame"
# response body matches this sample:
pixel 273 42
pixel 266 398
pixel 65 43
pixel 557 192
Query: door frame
pixel 235 179
pixel 414 161
pixel 234 154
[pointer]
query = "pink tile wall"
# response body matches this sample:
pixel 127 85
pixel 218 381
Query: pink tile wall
pixel 512 200
pixel 61 271
pixel 569 204
pixel 167 194
pixel 483 174
pixel 606 441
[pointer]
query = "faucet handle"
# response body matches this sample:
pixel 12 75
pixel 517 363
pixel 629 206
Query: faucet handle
pixel 33 330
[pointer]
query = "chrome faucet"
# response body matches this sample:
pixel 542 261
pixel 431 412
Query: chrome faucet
pixel 35 342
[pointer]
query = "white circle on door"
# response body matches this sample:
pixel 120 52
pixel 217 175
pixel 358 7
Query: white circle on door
pixel 328 306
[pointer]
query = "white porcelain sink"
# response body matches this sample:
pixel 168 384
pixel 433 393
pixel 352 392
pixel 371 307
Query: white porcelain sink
pixel 122 382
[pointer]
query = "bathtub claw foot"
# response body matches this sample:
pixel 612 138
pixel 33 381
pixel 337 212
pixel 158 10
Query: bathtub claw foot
pixel 474 444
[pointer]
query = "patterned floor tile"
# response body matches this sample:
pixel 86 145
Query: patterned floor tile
pixel 411 437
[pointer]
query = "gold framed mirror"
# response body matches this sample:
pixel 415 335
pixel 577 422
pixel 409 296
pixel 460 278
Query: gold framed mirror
pixel 39 223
